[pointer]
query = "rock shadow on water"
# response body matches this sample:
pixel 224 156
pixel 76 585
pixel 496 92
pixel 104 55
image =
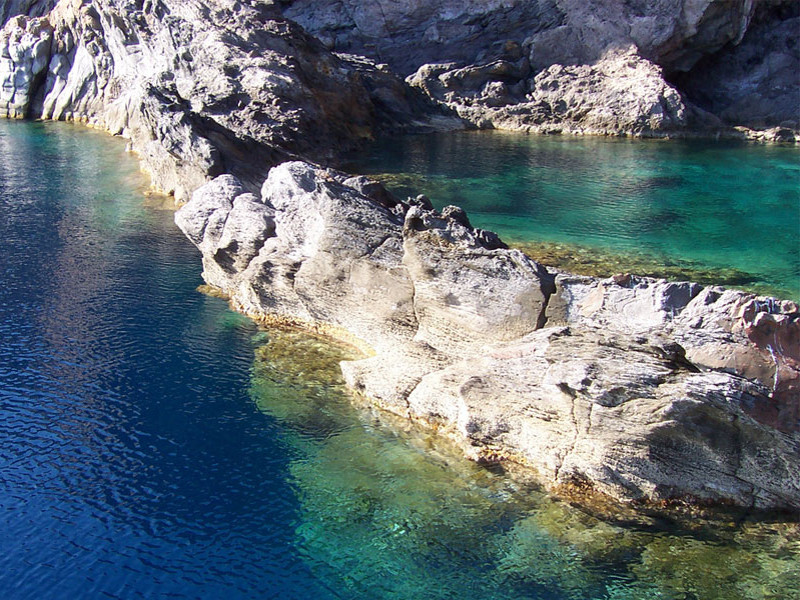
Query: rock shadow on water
pixel 388 510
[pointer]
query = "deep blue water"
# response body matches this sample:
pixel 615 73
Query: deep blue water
pixel 154 444
pixel 722 212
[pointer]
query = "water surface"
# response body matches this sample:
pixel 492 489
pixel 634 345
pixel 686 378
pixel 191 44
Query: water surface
pixel 154 444
pixel 716 212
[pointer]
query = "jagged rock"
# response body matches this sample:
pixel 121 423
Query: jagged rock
pixel 672 33
pixel 583 406
pixel 741 55
pixel 584 381
pixel 723 330
pixel 24 55
pixel 26 8
pixel 754 83
pixel 622 93
pixel 206 87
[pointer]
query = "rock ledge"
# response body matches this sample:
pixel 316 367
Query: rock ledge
pixel 647 391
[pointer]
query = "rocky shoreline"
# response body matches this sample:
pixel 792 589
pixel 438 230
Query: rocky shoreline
pixel 643 390
pixel 205 87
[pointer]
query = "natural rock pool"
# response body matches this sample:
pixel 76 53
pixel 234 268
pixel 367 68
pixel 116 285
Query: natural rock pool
pixel 156 444
pixel 715 212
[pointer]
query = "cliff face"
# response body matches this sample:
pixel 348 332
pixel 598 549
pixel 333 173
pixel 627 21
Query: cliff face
pixel 743 80
pixel 200 88
pixel 203 87
pixel 755 82
pixel 672 33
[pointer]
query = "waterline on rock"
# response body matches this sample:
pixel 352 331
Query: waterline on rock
pixel 696 207
pixel 388 510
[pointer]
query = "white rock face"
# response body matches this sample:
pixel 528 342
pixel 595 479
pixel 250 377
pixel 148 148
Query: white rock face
pixel 24 56
pixel 607 384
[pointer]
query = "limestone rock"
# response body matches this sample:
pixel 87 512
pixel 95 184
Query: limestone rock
pixel 582 406
pixel 620 384
pixel 24 55
pixel 204 87
pixel 754 83
pixel 672 33
pixel 622 93
pixel 27 8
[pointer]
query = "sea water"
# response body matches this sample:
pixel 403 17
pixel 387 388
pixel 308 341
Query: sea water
pixel 717 212
pixel 154 444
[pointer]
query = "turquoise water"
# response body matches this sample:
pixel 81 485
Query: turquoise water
pixel 155 444
pixel 718 212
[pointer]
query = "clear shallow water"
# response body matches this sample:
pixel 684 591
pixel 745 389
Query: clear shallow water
pixel 718 212
pixel 154 444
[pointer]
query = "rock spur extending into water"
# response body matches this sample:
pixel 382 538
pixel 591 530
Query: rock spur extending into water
pixel 643 390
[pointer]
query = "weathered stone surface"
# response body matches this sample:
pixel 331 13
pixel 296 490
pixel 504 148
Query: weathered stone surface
pixel 741 56
pixel 24 55
pixel 203 87
pixel 723 330
pixel 754 83
pixel 607 383
pixel 27 8
pixel 587 406
pixel 673 33
pixel 622 93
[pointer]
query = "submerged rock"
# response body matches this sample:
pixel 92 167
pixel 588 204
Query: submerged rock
pixel 614 384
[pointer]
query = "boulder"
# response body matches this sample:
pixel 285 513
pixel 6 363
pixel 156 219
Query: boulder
pixel 622 93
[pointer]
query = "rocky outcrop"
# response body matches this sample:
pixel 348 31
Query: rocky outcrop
pixel 201 87
pixel 204 87
pixel 622 93
pixel 644 390
pixel 24 55
pixel 460 50
pixel 27 8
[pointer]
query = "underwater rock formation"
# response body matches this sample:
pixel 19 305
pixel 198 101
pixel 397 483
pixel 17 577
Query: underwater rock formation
pixel 644 390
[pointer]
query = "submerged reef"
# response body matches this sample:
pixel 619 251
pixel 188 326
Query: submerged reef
pixel 388 519
pixel 646 391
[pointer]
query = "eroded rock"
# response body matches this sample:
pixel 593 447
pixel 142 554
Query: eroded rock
pixel 202 87
pixel 607 383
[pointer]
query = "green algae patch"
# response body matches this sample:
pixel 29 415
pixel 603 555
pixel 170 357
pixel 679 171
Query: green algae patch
pixel 586 260
pixel 716 212
pixel 390 510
